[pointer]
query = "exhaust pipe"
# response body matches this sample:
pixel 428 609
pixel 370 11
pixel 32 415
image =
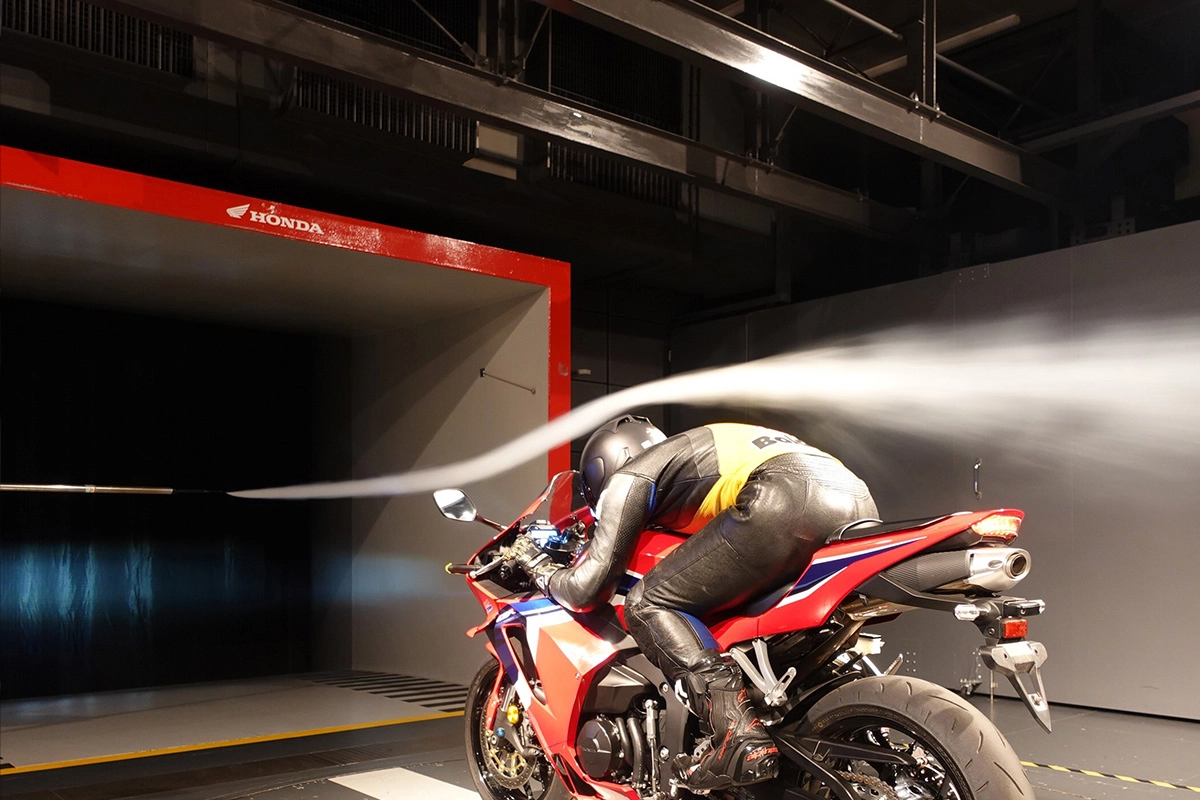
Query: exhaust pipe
pixel 995 569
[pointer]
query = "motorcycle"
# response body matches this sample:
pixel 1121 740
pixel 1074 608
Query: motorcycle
pixel 567 706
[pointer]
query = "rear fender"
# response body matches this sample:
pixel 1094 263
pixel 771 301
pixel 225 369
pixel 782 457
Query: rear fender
pixel 799 705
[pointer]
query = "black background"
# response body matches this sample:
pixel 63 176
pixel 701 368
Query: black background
pixel 108 591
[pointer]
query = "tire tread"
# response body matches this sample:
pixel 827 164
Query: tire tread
pixel 991 768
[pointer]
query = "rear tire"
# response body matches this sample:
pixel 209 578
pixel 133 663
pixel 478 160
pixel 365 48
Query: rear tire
pixel 498 770
pixel 968 759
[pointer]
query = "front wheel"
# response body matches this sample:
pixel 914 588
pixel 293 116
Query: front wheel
pixel 959 753
pixel 505 760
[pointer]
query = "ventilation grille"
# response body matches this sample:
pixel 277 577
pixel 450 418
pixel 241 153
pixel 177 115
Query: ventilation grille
pixel 610 175
pixel 384 112
pixel 97 30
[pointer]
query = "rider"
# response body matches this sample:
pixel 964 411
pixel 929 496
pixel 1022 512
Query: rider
pixel 758 503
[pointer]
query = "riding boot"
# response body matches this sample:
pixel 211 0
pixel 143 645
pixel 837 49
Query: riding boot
pixel 742 752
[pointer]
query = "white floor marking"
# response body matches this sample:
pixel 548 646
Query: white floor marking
pixel 403 784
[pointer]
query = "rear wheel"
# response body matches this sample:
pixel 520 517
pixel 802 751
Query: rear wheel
pixel 505 763
pixel 960 755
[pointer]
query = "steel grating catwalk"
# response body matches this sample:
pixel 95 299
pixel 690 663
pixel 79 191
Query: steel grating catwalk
pixel 437 695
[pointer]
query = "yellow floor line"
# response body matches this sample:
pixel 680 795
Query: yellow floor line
pixel 1125 778
pixel 189 748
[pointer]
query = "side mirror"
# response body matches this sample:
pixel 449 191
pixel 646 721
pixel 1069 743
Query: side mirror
pixel 454 504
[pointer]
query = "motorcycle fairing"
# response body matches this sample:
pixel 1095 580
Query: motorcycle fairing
pixel 492 606
pixel 562 655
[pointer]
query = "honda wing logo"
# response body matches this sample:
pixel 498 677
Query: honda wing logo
pixel 269 217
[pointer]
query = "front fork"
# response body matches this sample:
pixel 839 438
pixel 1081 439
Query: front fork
pixel 501 726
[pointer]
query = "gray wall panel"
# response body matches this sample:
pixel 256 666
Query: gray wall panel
pixel 419 401
pixel 1135 528
pixel 589 346
pixel 1113 539
pixel 705 344
pixel 637 352
pixel 1015 471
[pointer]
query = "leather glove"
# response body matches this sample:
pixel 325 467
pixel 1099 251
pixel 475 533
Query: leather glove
pixel 536 564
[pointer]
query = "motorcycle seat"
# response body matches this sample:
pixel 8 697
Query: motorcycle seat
pixel 863 528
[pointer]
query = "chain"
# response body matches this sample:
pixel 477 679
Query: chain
pixel 880 788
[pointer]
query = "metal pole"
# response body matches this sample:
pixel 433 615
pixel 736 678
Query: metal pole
pixel 863 18
pixel 65 488
pixel 929 56
pixel 466 49
pixel 950 44
pixel 991 84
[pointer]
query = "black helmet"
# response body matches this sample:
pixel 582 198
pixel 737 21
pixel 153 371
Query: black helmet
pixel 614 443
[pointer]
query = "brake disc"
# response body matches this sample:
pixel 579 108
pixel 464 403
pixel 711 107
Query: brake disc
pixel 508 768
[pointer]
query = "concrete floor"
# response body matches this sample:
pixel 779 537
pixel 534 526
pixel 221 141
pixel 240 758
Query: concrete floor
pixel 1140 749
pixel 371 735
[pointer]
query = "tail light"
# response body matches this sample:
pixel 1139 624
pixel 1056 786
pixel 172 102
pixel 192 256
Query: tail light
pixel 1000 527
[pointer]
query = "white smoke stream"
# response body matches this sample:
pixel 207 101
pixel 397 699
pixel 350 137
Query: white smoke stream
pixel 1120 386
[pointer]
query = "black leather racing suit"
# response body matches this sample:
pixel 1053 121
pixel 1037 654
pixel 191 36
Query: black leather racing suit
pixel 759 504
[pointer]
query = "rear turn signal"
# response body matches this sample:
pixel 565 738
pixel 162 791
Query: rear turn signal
pixel 1014 629
pixel 998 526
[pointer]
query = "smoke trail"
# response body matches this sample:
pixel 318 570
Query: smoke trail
pixel 1123 385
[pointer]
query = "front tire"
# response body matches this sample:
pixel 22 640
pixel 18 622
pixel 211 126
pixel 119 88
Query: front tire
pixel 964 757
pixel 499 770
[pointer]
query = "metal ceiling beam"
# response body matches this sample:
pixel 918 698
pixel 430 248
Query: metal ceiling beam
pixel 697 34
pixel 930 52
pixel 1116 122
pixel 319 44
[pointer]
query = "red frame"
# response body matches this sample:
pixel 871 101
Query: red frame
pixel 21 169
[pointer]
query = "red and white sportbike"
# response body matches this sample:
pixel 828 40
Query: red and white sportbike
pixel 567 706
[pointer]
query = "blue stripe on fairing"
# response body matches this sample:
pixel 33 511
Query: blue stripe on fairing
pixel 822 570
pixel 628 581
pixel 702 632
pixel 508 661
pixel 532 608
pixel 528 608
pixel 517 612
